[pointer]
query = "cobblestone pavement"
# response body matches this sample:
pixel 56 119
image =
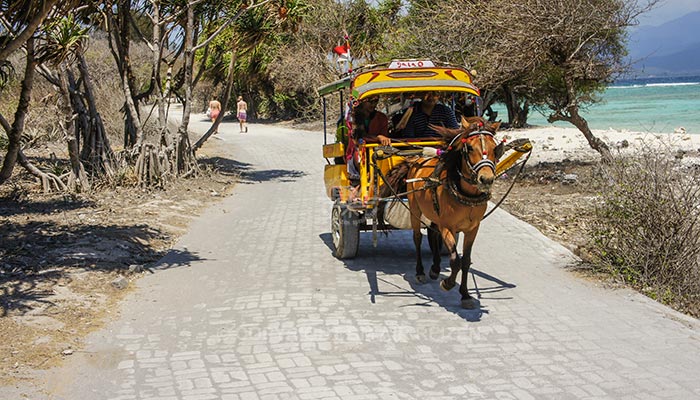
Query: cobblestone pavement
pixel 252 305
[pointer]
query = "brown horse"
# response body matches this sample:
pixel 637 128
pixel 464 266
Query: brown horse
pixel 452 191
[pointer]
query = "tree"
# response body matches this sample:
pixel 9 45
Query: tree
pixel 22 20
pixel 557 55
pixel 584 51
pixel 62 41
pixel 63 45
pixel 252 27
pixel 300 61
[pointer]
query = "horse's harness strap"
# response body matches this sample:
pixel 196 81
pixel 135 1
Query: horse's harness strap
pixel 435 177
pixel 465 199
pixel 432 182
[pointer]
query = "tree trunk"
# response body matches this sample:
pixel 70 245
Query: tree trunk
pixel 15 133
pixel 579 122
pixel 572 116
pixel 119 44
pixel 78 178
pixel 96 152
pixel 517 114
pixel 184 157
pixel 157 56
pixel 596 144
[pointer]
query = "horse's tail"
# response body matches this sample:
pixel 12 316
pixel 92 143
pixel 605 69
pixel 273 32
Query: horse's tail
pixel 394 184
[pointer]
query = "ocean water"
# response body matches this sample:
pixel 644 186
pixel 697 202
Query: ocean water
pixel 658 105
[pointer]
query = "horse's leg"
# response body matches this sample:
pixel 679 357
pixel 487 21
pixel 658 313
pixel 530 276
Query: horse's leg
pixel 468 301
pixel 417 240
pixel 435 241
pixel 451 243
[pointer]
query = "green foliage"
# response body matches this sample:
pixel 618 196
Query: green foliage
pixel 63 38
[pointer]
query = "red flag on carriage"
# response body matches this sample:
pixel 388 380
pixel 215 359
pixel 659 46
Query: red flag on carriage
pixel 342 50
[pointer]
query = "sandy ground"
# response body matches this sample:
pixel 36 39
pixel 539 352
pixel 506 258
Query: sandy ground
pixel 554 144
pixel 560 208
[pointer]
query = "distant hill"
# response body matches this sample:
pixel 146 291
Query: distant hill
pixel 671 49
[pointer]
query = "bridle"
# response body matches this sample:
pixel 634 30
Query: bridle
pixel 476 167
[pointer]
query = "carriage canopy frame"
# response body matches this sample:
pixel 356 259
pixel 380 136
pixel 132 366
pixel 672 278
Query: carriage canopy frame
pixel 403 76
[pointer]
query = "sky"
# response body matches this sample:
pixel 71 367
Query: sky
pixel 669 10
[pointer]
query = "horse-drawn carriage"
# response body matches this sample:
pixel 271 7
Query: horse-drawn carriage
pixel 412 182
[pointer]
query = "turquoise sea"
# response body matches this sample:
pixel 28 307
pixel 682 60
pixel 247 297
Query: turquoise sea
pixel 659 105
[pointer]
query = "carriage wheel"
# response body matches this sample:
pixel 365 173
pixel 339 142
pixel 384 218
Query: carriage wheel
pixel 345 229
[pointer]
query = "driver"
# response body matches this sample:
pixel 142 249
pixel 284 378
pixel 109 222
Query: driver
pixel 429 112
pixel 371 126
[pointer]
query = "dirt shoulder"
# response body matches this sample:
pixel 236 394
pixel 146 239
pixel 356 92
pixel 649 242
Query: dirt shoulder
pixel 67 261
pixel 555 197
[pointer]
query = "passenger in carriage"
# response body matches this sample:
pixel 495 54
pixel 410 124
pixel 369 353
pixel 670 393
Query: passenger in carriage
pixel 370 125
pixel 467 106
pixel 428 112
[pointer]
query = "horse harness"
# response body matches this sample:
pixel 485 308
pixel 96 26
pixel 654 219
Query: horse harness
pixel 434 181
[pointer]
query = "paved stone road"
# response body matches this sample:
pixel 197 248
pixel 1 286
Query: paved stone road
pixel 251 305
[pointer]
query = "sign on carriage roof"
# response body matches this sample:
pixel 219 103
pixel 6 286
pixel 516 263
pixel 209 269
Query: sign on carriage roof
pixel 398 64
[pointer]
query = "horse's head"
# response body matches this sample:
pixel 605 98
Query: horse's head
pixel 474 143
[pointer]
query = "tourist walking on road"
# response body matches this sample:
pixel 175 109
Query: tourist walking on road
pixel 242 114
pixel 214 111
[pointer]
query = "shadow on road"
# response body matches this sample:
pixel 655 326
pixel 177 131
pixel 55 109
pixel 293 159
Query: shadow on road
pixel 36 255
pixel 176 258
pixel 246 172
pixel 17 205
pixel 396 256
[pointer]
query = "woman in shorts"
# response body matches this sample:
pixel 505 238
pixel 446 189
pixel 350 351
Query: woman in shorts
pixel 242 114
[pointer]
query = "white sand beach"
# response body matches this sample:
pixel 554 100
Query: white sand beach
pixel 554 144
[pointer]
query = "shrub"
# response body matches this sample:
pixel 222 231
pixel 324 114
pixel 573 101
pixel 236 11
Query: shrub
pixel 645 229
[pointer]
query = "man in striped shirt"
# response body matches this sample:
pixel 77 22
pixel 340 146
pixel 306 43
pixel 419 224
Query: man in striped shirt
pixel 429 112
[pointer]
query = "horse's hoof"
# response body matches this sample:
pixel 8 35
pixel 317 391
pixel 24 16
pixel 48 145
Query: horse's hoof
pixel 434 275
pixel 470 303
pixel 444 285
pixel 421 279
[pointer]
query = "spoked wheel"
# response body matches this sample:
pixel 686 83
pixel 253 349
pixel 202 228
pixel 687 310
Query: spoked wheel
pixel 345 229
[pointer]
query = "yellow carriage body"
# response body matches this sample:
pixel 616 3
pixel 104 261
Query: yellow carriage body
pixel 355 203
pixel 391 79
